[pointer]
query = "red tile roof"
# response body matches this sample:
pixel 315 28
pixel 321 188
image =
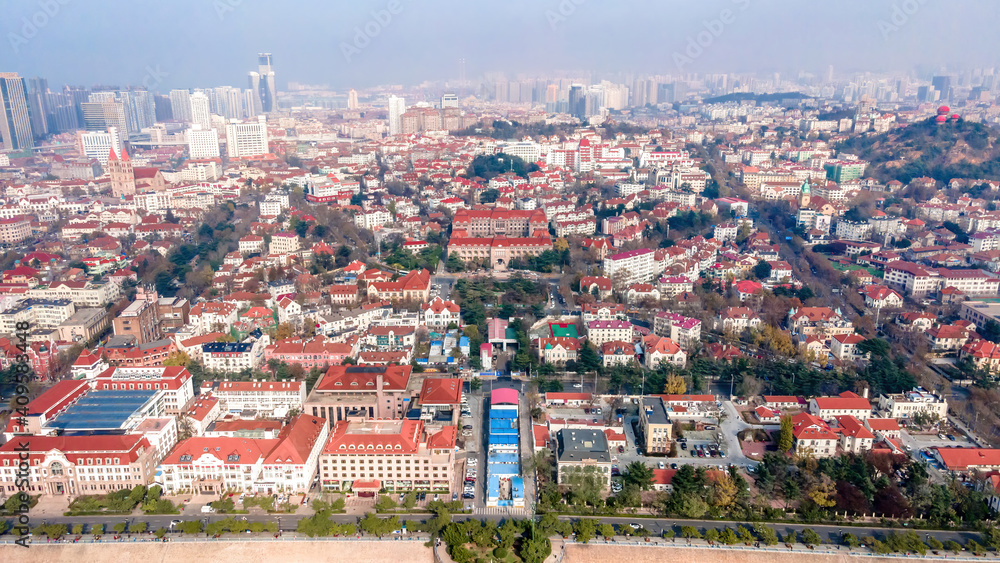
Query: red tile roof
pixel 441 391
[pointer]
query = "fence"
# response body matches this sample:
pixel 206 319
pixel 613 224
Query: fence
pixel 229 538
pixel 860 552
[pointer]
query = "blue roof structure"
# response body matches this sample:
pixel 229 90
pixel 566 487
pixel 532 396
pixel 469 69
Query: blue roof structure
pixel 102 410
pixel 493 487
pixel 503 425
pixel 503 440
pixel 517 487
pixel 503 413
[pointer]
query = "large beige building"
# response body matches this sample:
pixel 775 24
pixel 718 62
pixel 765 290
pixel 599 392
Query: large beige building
pixel 15 229
pixel 216 465
pixel 655 426
pixel 85 325
pixel 78 465
pixel 905 405
pixel 497 252
pixel 388 454
pixel 360 392
pixel 581 450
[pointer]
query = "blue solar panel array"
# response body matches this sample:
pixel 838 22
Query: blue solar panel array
pixel 102 410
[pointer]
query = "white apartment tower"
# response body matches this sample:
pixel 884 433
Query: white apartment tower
pixel 201 112
pixel 247 138
pixel 397 106
pixel 98 144
pixel 180 104
pixel 202 143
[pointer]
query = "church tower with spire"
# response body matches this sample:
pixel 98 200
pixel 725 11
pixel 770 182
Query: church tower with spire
pixel 806 194
pixel 122 175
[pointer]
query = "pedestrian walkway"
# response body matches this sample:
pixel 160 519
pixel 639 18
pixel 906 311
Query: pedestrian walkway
pixel 506 511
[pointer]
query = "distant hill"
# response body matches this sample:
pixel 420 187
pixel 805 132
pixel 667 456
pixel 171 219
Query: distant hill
pixel 960 149
pixel 759 98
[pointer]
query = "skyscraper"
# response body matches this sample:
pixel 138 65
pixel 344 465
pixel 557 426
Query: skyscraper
pixel 577 101
pixel 352 99
pixel 200 111
pixel 180 104
pixel 397 106
pixel 38 103
pixel 262 83
pixel 943 85
pixel 103 110
pixel 15 114
pixel 251 103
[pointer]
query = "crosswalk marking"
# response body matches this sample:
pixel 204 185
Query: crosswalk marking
pixel 500 511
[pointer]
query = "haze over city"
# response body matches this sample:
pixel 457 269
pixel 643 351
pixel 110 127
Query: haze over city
pixel 200 43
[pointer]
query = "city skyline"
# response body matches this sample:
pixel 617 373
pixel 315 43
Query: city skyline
pixel 373 44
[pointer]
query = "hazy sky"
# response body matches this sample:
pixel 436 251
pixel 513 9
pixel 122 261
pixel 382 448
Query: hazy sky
pixel 201 43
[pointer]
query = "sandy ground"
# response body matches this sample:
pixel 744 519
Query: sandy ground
pixel 576 553
pixel 269 552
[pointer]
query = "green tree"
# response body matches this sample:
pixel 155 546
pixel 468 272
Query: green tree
pixel 810 537
pixel 762 270
pixel 410 500
pixel 766 534
pixel 785 437
pixel 639 474
pixel 607 531
pixel 585 529
pixel 690 532
pixel 850 540
pixel 385 503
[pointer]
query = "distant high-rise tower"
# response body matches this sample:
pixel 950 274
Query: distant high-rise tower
pixel 397 106
pixel 943 85
pixel 180 104
pixel 200 111
pixel 262 83
pixel 122 175
pixel 577 101
pixel 352 99
pixel 15 113
pixel 38 104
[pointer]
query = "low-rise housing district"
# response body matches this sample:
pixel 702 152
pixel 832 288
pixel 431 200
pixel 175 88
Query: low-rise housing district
pixel 222 299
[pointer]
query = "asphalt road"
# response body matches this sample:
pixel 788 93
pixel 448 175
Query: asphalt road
pixel 656 526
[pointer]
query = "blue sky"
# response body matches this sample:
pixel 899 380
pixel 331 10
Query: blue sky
pixel 203 43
